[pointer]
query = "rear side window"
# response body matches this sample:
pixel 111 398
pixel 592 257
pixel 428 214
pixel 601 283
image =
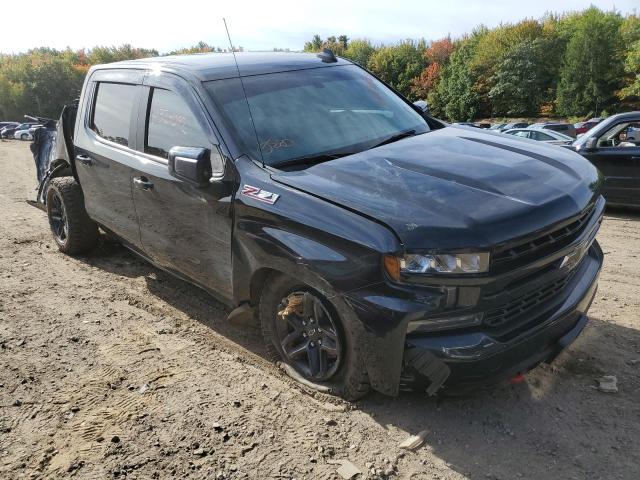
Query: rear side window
pixel 542 137
pixel 114 103
pixel 171 124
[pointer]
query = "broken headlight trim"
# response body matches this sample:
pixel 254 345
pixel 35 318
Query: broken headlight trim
pixel 428 325
pixel 455 263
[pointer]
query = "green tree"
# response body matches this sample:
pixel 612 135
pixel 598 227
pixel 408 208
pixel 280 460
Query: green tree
pixel 593 63
pixel 399 64
pixel 455 97
pixel 630 31
pixel 632 67
pixel 200 47
pixel 523 81
pixel 315 45
pixel 336 45
pixel 98 55
pixel 359 51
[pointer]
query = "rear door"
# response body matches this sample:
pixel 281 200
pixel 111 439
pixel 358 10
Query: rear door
pixel 183 227
pixel 104 141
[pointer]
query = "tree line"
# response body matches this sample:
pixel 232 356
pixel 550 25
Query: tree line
pixel 577 64
pixel 41 81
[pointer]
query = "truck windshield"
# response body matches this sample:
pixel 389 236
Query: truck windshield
pixel 315 114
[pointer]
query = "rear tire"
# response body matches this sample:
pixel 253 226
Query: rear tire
pixel 344 374
pixel 24 136
pixel 72 229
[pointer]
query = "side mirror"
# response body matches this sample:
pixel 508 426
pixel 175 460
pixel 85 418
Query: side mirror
pixel 191 164
pixel 591 143
pixel 422 106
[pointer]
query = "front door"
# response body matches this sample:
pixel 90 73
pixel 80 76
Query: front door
pixel 618 158
pixel 104 140
pixel 183 227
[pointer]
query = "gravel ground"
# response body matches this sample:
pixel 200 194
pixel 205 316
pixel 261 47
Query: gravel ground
pixel 112 368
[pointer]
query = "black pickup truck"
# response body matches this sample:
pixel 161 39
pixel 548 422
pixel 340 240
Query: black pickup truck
pixel 377 246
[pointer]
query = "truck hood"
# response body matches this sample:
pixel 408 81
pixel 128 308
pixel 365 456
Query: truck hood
pixel 455 188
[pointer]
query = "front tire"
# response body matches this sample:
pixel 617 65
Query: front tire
pixel 73 230
pixel 302 329
pixel 24 136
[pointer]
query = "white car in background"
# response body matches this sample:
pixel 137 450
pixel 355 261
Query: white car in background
pixel 547 136
pixel 26 134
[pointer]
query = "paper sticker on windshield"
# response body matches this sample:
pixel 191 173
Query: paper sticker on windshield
pixel 259 194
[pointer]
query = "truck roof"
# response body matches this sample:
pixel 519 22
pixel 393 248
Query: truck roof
pixel 217 66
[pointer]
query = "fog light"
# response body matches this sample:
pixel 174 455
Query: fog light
pixel 445 323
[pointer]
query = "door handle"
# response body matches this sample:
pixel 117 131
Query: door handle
pixel 142 183
pixel 84 159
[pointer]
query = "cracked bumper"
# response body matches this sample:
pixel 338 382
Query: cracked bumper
pixel 465 361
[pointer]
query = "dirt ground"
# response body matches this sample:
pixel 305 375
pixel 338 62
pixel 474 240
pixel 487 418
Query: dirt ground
pixel 111 368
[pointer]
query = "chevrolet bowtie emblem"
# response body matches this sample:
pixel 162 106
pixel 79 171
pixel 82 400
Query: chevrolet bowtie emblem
pixel 571 260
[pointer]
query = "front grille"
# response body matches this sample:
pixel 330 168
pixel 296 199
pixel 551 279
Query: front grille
pixel 546 243
pixel 519 308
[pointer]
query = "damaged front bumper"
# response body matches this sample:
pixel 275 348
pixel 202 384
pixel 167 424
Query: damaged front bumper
pixel 462 361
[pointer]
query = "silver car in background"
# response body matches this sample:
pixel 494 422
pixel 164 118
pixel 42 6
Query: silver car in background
pixel 547 136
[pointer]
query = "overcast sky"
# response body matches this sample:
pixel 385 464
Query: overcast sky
pixel 258 24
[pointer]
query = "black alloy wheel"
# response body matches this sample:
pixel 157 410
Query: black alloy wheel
pixel 308 336
pixel 58 219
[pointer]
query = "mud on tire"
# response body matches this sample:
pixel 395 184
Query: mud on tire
pixel 349 378
pixel 72 229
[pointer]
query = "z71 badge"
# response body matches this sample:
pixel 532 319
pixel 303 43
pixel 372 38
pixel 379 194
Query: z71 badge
pixel 259 194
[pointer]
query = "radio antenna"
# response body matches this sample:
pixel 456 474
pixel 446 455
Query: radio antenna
pixel 244 92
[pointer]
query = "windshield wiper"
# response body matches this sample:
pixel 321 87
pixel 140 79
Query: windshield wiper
pixel 396 137
pixel 311 159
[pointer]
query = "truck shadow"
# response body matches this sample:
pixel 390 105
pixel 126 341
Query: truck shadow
pixel 554 425
pixel 189 299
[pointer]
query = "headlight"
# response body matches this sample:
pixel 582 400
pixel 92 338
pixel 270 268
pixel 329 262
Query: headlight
pixel 456 263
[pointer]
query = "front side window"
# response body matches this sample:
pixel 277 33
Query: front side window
pixel 625 134
pixel 171 124
pixel 315 112
pixel 111 119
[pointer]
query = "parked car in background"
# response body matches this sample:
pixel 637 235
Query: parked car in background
pixel 613 146
pixel 510 126
pixel 8 132
pixel 583 127
pixel 25 133
pixel 497 126
pixel 7 124
pixel 550 136
pixel 566 128
pixel 466 124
